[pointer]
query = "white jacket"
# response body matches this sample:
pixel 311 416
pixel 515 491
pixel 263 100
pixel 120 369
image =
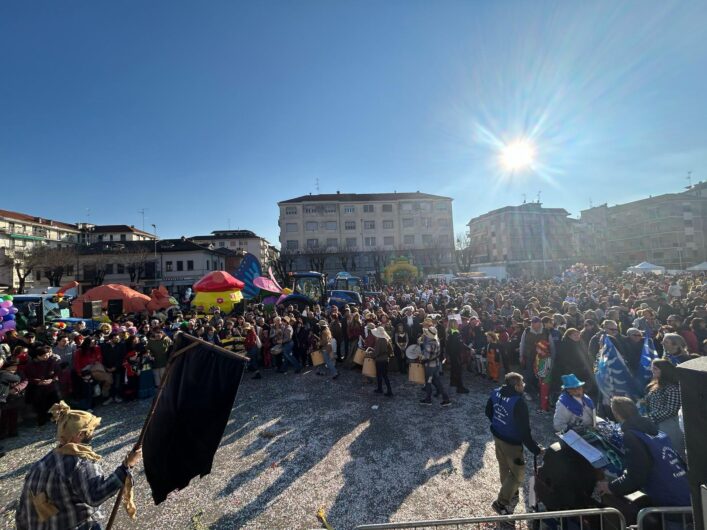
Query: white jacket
pixel 564 419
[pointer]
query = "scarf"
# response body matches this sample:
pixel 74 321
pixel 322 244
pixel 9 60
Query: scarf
pixel 574 406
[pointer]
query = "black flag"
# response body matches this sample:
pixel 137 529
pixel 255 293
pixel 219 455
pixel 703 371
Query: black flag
pixel 190 416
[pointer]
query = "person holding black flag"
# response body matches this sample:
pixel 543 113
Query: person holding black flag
pixel 510 426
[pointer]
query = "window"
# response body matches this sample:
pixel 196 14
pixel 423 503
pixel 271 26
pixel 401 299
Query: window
pixel 38 275
pixel 387 208
pixel 312 243
pixel 349 225
pixel 408 222
pixel 291 210
pixel 310 209
pixel 291 227
pixel 208 265
pixel 370 242
pixel 110 237
pixel 123 237
pixel 349 209
pixel 292 244
pixel 369 225
pixel 231 243
pixel 440 206
pixel 368 208
pixel 221 244
pixel 330 225
pixel 180 265
pixel 426 222
pixel 100 237
pixel 444 222
pixel 168 266
pixel 409 239
pixel 120 268
pixel 332 242
pixel 351 242
pixel 190 265
pixel 330 209
pixel 388 224
pixel 389 241
pixel 311 226
pixel 406 206
pixel 69 270
pixel 109 268
pixel 426 206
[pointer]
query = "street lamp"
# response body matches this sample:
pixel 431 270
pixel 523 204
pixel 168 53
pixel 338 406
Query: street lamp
pixel 154 228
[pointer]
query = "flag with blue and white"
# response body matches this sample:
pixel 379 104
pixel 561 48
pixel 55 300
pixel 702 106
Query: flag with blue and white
pixel 648 353
pixel 613 376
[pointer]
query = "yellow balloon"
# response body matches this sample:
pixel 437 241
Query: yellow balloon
pixel 224 300
pixel 287 290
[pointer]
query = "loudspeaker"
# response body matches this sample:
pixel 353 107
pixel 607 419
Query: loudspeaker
pixel 115 308
pixel 92 309
pixel 693 390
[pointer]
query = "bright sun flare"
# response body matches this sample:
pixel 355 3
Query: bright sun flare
pixel 517 155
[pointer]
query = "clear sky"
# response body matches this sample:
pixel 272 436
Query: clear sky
pixel 206 113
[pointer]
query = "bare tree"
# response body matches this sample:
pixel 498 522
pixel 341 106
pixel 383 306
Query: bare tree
pixel 317 257
pixel 284 264
pixel 381 258
pixel 24 261
pixel 55 263
pixel 347 257
pixel 135 259
pixel 463 252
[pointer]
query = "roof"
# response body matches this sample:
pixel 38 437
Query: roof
pixel 26 218
pixel 103 229
pixel 227 234
pixel 163 246
pixel 363 197
pixel 530 207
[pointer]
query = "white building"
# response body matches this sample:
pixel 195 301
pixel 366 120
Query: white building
pixel 240 241
pixel 371 225
pixel 108 233
pixel 20 233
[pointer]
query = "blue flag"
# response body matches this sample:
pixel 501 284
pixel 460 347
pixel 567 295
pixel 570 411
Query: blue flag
pixel 613 376
pixel 647 355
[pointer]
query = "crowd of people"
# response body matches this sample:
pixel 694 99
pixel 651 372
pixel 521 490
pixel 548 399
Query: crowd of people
pixel 542 341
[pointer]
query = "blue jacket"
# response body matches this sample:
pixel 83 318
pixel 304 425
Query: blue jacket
pixel 510 421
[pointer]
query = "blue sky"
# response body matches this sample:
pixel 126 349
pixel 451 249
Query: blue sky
pixel 208 113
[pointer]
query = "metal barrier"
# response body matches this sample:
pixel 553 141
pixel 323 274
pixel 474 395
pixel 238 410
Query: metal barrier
pixel 678 517
pixel 590 519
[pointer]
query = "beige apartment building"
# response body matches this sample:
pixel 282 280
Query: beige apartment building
pixel 373 226
pixel 667 230
pixel 240 241
pixel 525 241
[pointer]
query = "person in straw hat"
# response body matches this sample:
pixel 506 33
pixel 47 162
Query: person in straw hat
pixel 327 345
pixel 382 351
pixel 66 488
pixel 431 358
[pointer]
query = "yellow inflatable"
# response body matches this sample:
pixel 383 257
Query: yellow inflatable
pixel 217 289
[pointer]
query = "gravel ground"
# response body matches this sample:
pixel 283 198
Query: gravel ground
pixel 298 443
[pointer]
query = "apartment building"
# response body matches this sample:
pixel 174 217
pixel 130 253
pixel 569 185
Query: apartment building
pixel 240 241
pixel 667 230
pixel 91 233
pixel 369 225
pixel 20 233
pixel 527 240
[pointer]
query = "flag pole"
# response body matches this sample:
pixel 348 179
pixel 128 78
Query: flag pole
pixel 194 342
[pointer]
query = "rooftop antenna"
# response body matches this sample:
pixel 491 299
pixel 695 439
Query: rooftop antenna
pixel 539 192
pixel 524 197
pixel 591 204
pixel 317 185
pixel 142 211
pixel 689 180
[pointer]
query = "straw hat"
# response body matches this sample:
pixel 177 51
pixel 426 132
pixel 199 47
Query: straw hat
pixel 430 332
pixel 380 333
pixel 323 324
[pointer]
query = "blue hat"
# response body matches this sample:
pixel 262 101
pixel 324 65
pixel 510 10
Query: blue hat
pixel 571 381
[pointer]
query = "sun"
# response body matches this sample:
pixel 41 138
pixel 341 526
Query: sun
pixel 517 155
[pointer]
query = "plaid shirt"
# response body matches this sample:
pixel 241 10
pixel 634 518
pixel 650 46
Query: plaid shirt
pixel 663 403
pixel 76 486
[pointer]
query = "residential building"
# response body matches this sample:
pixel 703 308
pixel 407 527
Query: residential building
pixel 667 230
pixel 528 240
pixel 108 233
pixel 240 241
pixel 175 263
pixel 20 233
pixel 363 231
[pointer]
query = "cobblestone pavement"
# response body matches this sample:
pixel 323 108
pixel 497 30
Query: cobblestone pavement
pixel 298 443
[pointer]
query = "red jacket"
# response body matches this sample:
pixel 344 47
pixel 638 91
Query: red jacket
pixel 83 358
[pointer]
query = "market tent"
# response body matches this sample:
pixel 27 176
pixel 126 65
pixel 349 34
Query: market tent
pixel 646 267
pixel 699 267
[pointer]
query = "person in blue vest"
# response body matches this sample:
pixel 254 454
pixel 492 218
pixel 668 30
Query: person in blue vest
pixel 510 426
pixel 651 463
pixel 574 409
